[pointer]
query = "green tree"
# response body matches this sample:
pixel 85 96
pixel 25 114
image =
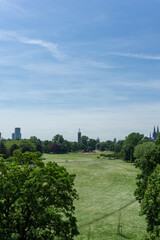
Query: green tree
pixel 12 149
pixel 3 149
pixel 36 200
pixel 27 145
pixel 110 145
pixel 132 140
pixel 141 149
pixel 127 152
pixel 55 148
pixel 92 144
pixel 84 143
pixel 103 146
pixel 58 139
pixel 75 147
pixel 37 142
pixel 45 146
pixel 147 163
pixel 150 206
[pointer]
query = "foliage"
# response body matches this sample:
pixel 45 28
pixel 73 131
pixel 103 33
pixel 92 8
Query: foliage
pixel 141 149
pixel 132 140
pixel 103 146
pixel 147 163
pixel 12 149
pixel 127 152
pixel 118 146
pixel 107 146
pixel 3 149
pixel 75 147
pixel 151 204
pixel 55 148
pixel 58 138
pixel 91 144
pixel 36 200
pixel 27 145
pixel 37 142
pixel 59 145
pixel 45 146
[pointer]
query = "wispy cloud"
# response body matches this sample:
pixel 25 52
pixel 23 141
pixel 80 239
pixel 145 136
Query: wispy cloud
pixel 51 47
pixel 152 84
pixel 139 56
pixel 10 5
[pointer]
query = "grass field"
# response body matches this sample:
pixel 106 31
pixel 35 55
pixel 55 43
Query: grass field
pixel 106 196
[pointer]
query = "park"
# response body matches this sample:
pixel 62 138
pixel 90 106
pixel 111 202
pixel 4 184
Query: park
pixel 106 196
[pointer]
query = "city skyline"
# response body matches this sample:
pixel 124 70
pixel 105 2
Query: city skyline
pixel 88 64
pixel 152 136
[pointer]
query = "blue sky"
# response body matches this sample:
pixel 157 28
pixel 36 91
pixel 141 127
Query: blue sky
pixel 72 64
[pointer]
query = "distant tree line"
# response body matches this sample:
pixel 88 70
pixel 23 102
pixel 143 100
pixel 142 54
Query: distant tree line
pixel 58 145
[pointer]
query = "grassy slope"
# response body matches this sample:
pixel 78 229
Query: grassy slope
pixel 104 187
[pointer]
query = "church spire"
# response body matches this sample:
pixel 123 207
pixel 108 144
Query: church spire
pixel 154 134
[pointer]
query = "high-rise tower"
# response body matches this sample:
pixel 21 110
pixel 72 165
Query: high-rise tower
pixel 79 136
pixel 17 134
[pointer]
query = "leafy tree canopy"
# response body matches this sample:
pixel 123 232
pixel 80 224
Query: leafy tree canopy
pixel 58 138
pixel 133 139
pixel 36 200
pixel 141 149
pixel 147 163
pixel 151 204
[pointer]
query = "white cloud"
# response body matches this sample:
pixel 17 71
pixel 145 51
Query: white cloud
pixel 139 56
pixel 51 47
pixel 152 84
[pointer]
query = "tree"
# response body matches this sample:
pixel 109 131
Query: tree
pixel 75 147
pixel 110 145
pixel 3 149
pixel 12 149
pixel 118 146
pixel 141 149
pixel 151 204
pixel 37 142
pixel 132 140
pixel 147 163
pixel 92 144
pixel 127 152
pixel 55 148
pixel 103 146
pixel 27 145
pixel 36 200
pixel 45 146
pixel 58 139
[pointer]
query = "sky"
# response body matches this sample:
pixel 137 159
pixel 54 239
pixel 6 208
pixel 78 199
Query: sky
pixel 88 64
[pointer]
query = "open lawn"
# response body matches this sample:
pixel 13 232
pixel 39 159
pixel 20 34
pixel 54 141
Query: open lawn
pixel 106 196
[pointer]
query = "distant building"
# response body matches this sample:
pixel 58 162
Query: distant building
pixel 98 140
pixel 79 136
pixel 115 140
pixel 17 134
pixel 154 135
